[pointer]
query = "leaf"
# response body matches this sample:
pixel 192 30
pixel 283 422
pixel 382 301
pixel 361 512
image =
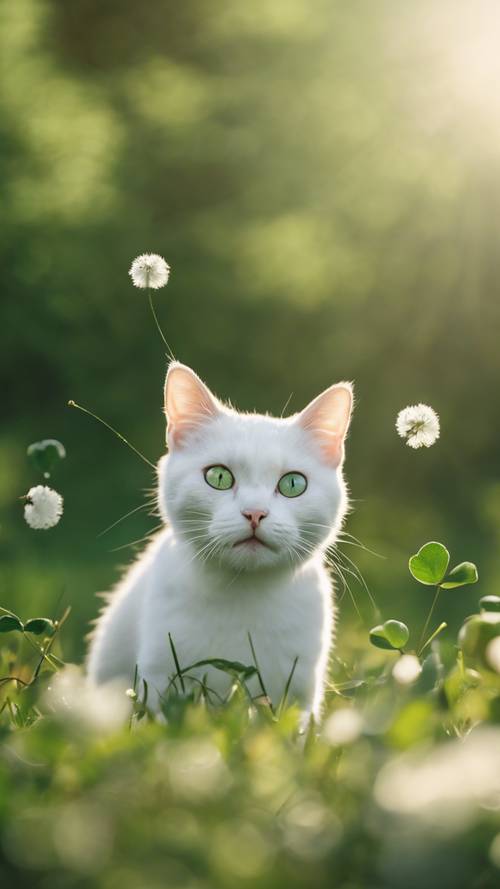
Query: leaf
pixel 430 564
pixel 490 603
pixel 377 638
pixel 46 454
pixel 39 625
pixel 233 668
pixel 10 622
pixel 461 575
pixel 475 634
pixel 392 635
pixel 432 672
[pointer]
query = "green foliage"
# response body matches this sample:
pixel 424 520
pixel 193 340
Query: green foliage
pixel 430 564
pixel 39 626
pixel 231 795
pixel 392 634
pixel 476 634
pixel 10 622
pixel 46 454
pixel 489 603
pixel 461 575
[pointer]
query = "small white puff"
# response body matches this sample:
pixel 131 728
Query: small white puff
pixel 149 270
pixel 44 508
pixel 419 424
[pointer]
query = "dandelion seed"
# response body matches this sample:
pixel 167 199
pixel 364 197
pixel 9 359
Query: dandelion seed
pixel 407 669
pixel 149 270
pixel 44 508
pixel 419 424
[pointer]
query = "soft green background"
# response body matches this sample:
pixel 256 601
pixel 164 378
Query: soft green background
pixel 323 179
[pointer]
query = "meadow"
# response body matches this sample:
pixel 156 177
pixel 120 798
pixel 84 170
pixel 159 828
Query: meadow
pixel 399 786
pixel 322 180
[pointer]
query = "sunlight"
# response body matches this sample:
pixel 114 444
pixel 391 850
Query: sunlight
pixel 472 47
pixel 463 65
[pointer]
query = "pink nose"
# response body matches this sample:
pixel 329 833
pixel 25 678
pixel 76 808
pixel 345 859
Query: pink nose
pixel 254 516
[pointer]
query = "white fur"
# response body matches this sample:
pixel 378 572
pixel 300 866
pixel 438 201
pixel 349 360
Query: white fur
pixel 209 594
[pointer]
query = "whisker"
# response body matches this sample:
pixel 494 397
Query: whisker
pixel 361 578
pixel 347 587
pixel 355 542
pixel 123 517
pixel 287 402
pixel 142 539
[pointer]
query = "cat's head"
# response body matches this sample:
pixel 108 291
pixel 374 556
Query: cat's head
pixel 248 491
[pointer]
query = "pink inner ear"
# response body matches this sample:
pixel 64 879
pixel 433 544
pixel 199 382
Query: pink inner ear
pixel 188 402
pixel 327 418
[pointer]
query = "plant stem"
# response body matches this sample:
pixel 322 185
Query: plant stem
pixel 45 651
pixel 259 674
pixel 282 703
pixel 177 664
pixel 122 438
pixel 420 645
pixel 158 326
pixel 433 635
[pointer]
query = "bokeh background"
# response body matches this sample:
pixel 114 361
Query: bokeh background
pixel 323 178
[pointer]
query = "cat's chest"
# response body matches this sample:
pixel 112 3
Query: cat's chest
pixel 283 621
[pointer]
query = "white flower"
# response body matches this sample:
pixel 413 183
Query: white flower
pixel 343 727
pixel 44 507
pixel 149 270
pixel 419 424
pixel 131 694
pixel 406 669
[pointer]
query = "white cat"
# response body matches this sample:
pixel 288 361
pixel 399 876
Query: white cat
pixel 251 502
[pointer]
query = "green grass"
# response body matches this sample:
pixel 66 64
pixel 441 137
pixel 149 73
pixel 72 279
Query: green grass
pixel 402 793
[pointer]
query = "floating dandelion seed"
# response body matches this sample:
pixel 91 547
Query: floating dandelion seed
pixel 419 424
pixel 44 508
pixel 149 270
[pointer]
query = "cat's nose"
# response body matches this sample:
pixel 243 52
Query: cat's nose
pixel 254 516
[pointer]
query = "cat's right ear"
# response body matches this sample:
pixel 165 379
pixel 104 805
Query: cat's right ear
pixel 188 403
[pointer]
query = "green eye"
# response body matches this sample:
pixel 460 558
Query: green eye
pixel 292 484
pixel 219 477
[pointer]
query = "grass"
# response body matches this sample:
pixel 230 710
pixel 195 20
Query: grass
pixel 95 792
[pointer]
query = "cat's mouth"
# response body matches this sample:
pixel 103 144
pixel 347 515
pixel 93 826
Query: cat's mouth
pixel 253 542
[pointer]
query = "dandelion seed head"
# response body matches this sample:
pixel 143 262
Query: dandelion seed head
pixel 44 508
pixel 419 424
pixel 149 270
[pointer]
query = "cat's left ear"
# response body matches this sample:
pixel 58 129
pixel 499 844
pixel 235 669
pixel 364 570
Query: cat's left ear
pixel 327 418
pixel 188 403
